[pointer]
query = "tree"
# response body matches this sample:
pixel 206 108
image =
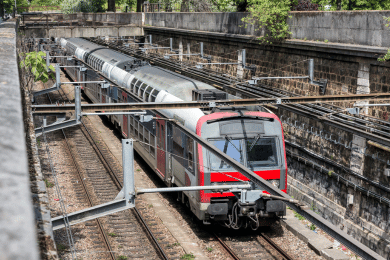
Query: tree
pixel 353 4
pixel 271 16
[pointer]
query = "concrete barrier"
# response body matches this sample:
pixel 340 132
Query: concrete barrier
pixel 17 225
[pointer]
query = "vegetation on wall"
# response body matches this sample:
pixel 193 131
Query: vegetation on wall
pixel 35 64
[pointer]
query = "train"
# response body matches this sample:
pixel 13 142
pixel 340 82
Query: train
pixel 251 135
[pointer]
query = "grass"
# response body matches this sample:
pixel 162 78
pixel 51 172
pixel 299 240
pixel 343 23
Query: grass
pixel 172 245
pixel 305 39
pixel 210 249
pixel 189 256
pixel 49 184
pixel 312 227
pixel 298 216
pixel 61 247
pixel 326 41
pixel 121 257
pixel 138 170
pixel 112 234
pixel 38 142
pixel 330 173
pixel 151 206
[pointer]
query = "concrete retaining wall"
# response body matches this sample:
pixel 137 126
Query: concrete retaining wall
pixel 124 30
pixel 351 27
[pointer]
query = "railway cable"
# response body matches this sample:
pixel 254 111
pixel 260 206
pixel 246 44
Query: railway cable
pixel 345 119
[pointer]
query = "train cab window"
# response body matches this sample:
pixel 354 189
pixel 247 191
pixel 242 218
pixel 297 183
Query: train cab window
pixel 142 89
pixel 232 147
pixel 261 152
pixel 147 93
pixel 154 95
pixel 190 153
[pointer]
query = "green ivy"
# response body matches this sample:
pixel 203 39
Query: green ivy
pixel 35 62
pixel 387 55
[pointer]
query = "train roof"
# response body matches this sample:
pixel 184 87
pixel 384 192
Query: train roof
pixel 173 83
pixel 105 54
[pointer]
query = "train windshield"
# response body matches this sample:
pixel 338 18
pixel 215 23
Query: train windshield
pixel 232 147
pixel 251 152
pixel 261 152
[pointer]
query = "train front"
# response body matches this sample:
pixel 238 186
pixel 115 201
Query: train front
pixel 255 139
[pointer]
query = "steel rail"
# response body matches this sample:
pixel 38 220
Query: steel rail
pixel 275 246
pixel 119 185
pixel 100 226
pixel 227 248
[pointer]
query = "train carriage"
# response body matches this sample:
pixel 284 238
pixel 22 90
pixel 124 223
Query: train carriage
pixel 253 136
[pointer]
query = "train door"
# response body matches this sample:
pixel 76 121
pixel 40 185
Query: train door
pixel 169 173
pixel 160 125
pixel 124 122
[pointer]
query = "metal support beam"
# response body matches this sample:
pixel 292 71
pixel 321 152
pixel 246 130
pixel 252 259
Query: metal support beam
pixel 56 85
pixel 55 127
pixel 208 104
pixel 113 113
pixel 128 171
pixel 91 213
pixel 112 206
pixel 195 188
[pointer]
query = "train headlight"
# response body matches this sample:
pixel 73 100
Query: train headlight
pixel 275 183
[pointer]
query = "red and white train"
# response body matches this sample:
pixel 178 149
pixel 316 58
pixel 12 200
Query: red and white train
pixel 253 136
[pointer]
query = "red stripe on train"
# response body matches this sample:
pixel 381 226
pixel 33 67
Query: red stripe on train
pixel 222 177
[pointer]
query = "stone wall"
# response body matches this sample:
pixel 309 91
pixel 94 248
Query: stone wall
pixel 348 73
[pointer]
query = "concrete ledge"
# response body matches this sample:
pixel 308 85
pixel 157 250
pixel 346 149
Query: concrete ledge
pixel 354 50
pixel 321 245
pixel 17 225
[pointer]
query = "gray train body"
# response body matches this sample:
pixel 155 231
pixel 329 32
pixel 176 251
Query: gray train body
pixel 252 136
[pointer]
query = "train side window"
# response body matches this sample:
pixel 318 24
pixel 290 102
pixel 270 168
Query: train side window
pixel 190 153
pixel 142 89
pixel 141 134
pixel 136 129
pixel 132 84
pixel 178 149
pixel 137 85
pixel 152 145
pixel 154 95
pixel 132 125
pixel 146 139
pixel 147 92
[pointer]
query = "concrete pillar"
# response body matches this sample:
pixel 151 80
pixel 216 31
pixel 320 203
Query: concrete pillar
pixel 181 49
pixel 363 83
pixel 359 145
pixel 240 69
pixel 188 50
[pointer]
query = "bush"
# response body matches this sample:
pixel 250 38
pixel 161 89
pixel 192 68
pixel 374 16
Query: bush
pixel 78 6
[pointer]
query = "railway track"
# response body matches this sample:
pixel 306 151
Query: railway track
pixel 372 128
pixel 252 247
pixel 118 236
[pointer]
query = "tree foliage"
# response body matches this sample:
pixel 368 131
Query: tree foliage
pixel 271 16
pixel 36 64
pixel 333 5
